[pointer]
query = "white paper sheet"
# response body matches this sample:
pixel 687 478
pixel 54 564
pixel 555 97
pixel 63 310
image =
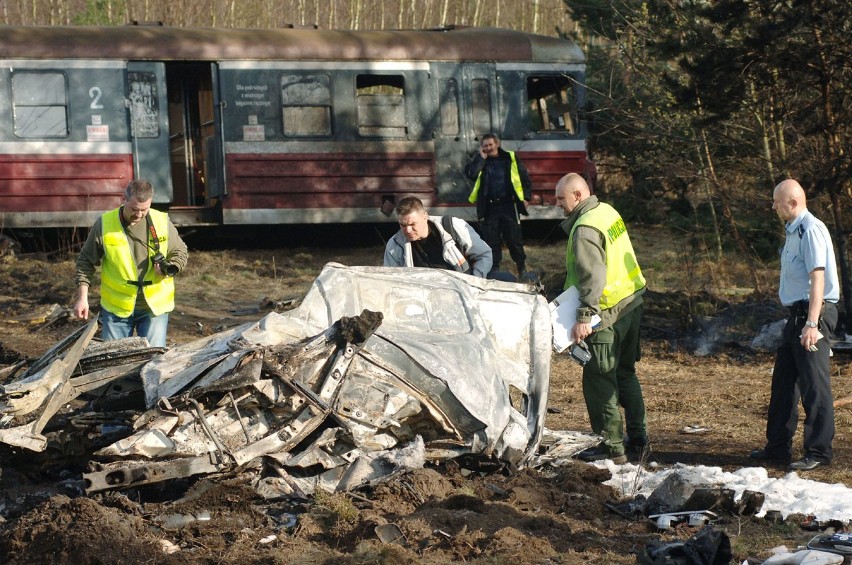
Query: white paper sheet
pixel 563 316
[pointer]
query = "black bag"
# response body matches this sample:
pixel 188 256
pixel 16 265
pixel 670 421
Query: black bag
pixel 709 546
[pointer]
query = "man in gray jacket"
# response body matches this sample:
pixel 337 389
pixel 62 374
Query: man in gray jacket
pixel 435 242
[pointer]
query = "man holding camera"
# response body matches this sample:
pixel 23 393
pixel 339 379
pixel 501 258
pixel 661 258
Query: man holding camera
pixel 139 252
pixel 601 264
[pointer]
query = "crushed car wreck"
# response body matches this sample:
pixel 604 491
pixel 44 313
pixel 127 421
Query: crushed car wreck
pixel 375 371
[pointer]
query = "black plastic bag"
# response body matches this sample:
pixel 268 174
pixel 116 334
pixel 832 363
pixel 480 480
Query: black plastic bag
pixel 709 546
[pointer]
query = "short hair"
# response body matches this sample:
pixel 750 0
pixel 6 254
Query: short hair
pixel 490 136
pixel 141 189
pixel 409 204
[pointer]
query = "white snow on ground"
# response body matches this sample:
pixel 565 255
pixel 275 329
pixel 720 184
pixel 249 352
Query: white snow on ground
pixel 790 494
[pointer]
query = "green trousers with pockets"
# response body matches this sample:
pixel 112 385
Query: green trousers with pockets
pixel 609 381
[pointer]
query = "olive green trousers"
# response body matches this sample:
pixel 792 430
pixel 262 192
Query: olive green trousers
pixel 609 381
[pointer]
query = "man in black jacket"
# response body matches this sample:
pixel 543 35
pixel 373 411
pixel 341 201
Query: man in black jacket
pixel 501 189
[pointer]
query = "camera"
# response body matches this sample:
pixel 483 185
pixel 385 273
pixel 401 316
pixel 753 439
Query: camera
pixel 166 268
pixel 580 353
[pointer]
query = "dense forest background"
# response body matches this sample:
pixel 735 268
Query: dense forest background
pixel 697 108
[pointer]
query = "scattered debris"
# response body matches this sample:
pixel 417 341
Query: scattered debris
pixel 804 556
pixel 839 543
pixel 8 246
pixel 265 304
pixel 691 518
pixel 694 429
pixel 319 396
pixel 43 316
pixel 390 533
pixel 709 546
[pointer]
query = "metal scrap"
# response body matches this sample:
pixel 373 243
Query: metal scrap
pixel 377 370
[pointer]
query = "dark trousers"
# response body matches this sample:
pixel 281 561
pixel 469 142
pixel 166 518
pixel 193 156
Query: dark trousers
pixel 803 375
pixel 609 381
pixel 501 225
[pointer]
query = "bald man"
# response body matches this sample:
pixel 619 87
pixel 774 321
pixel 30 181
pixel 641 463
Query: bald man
pixel 810 289
pixel 601 263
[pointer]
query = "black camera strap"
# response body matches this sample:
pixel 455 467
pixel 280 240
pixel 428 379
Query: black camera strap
pixel 156 247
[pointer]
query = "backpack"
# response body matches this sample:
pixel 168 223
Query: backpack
pixel 447 224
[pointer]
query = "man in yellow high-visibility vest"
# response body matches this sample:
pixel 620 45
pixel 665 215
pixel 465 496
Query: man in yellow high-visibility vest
pixel 601 263
pixel 501 189
pixel 139 251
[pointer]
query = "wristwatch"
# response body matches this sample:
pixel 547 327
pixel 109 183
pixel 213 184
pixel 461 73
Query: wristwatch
pixel 811 324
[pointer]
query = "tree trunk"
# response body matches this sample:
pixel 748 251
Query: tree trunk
pixel 836 154
pixel 724 199
pixel 536 16
pixel 764 134
pixel 717 235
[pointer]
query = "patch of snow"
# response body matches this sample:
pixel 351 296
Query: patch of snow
pixel 790 494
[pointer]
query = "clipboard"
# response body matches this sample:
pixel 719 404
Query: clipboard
pixel 563 316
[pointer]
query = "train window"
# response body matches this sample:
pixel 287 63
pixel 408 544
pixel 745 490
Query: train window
pixel 449 107
pixel 306 105
pixel 552 105
pixel 144 105
pixel 40 104
pixel 381 105
pixel 480 91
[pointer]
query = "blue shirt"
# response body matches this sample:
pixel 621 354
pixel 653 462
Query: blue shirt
pixel 807 247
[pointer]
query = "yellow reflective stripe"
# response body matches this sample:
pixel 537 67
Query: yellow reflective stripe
pixel 475 192
pixel 515 175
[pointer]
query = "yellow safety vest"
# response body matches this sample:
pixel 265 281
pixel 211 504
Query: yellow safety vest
pixel 514 174
pixel 117 294
pixel 623 276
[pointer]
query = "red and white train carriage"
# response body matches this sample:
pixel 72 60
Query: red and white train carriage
pixel 278 126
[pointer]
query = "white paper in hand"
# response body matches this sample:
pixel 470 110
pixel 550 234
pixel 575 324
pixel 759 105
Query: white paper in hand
pixel 563 316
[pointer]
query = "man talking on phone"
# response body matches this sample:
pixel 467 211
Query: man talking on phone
pixel 501 189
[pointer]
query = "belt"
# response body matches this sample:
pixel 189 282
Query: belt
pixel 802 307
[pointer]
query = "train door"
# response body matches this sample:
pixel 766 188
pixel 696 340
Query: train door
pixel 194 140
pixel 466 95
pixel 149 126
pixel 480 95
pixel 449 135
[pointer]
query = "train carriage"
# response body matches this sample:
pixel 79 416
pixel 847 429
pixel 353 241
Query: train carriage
pixel 276 126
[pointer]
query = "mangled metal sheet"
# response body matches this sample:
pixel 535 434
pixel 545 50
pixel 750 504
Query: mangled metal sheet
pixel 376 369
pixel 67 371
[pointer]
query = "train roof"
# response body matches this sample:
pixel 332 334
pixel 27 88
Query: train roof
pixel 163 43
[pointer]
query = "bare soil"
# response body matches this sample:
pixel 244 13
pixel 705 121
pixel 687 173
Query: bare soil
pixel 697 369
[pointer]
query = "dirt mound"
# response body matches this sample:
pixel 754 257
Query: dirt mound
pixel 434 513
pixel 79 530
